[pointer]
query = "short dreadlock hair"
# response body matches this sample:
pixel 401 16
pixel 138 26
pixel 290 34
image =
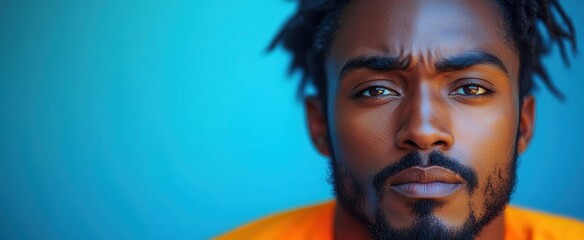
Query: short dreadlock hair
pixel 309 32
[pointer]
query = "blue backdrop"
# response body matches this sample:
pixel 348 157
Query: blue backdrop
pixel 166 119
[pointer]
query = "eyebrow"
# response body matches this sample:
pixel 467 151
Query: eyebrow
pixel 450 64
pixel 380 63
pixel 467 60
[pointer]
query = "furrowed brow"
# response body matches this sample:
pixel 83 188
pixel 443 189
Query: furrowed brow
pixel 379 63
pixel 467 60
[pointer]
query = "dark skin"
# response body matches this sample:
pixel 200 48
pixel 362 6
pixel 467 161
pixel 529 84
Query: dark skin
pixel 426 102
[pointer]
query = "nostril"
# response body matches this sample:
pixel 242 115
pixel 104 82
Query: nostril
pixel 440 143
pixel 410 143
pixel 422 145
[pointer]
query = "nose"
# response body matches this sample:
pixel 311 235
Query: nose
pixel 425 122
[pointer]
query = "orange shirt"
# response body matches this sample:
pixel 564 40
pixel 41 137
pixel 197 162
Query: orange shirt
pixel 316 222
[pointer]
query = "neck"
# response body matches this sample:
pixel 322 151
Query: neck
pixel 494 230
pixel 347 227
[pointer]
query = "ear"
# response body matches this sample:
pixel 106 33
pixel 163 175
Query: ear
pixel 526 123
pixel 317 124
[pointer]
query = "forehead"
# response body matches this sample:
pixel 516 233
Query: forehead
pixel 425 30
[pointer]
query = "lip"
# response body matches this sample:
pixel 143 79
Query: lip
pixel 425 182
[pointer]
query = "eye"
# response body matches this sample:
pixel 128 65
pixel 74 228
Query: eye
pixel 470 90
pixel 377 91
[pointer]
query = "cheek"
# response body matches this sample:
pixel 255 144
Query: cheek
pixel 485 139
pixel 361 138
pixel 487 133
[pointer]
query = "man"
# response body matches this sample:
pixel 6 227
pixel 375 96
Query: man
pixel 423 108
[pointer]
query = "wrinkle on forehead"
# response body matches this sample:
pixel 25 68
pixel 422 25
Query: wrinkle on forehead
pixel 433 33
pixel 423 31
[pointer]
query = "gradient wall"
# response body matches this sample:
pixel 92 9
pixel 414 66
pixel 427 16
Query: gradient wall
pixel 166 119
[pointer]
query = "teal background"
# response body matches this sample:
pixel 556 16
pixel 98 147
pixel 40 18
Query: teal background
pixel 167 120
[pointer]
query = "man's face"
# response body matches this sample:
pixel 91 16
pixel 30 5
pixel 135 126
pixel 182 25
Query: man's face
pixel 423 120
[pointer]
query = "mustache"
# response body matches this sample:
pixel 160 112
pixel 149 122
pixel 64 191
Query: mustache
pixel 436 158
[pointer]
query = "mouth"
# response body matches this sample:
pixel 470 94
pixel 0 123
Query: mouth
pixel 426 190
pixel 425 182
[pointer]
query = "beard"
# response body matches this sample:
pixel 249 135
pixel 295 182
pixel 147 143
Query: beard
pixel 497 192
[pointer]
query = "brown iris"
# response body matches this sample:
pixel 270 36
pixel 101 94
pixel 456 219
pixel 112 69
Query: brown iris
pixel 376 91
pixel 473 90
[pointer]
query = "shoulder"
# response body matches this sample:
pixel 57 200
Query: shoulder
pixel 522 223
pixel 312 222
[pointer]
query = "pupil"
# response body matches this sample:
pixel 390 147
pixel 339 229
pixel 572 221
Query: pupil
pixel 377 92
pixel 472 90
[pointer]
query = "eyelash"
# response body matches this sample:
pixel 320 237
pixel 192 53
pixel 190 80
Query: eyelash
pixel 482 91
pixel 485 91
pixel 390 92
